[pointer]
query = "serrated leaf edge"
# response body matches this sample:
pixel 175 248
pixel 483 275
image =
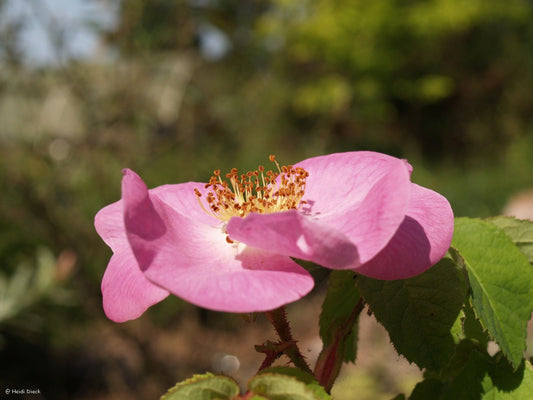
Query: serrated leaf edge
pixel 193 379
pixel 306 387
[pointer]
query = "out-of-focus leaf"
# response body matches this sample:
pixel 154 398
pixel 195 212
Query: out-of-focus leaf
pixel 204 387
pixel 284 387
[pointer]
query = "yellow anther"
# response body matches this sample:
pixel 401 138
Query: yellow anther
pixel 257 191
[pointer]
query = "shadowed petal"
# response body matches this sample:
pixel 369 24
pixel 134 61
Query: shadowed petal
pixel 362 194
pixel 126 291
pixel 421 241
pixel 295 235
pixel 193 260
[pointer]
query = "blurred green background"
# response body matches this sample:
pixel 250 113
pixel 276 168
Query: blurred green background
pixel 176 89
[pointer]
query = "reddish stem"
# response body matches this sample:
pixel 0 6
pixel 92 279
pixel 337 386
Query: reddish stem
pixel 287 345
pixel 330 360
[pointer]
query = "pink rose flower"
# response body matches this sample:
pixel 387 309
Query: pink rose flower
pixel 228 247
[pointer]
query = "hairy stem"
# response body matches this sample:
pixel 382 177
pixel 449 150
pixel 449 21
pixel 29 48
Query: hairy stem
pixel 287 345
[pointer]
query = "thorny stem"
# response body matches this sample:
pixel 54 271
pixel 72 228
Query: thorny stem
pixel 287 345
pixel 272 352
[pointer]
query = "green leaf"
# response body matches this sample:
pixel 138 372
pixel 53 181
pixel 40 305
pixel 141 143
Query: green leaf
pixel 520 232
pixel 337 312
pixel 277 386
pixel 461 379
pixel 427 389
pixel 419 312
pixel 501 281
pixel 400 396
pixel 470 327
pixel 503 375
pixel 338 326
pixel 457 329
pixel 521 392
pixel 304 377
pixel 204 387
pixel 472 374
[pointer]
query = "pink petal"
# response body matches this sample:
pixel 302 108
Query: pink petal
pixel 242 280
pixel 355 204
pixel 421 241
pixel 193 260
pixel 126 292
pixel 362 194
pixel 181 198
pixel 293 234
pixel 109 223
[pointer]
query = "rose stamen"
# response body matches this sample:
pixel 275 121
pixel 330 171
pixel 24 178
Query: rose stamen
pixel 256 191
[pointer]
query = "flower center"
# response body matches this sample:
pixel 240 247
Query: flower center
pixel 256 191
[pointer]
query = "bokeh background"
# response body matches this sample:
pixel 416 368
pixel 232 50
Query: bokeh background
pixel 177 88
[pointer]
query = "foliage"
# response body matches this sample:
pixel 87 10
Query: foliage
pixel 500 280
pixel 419 314
pixel 281 383
pixel 29 285
pixel 406 72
